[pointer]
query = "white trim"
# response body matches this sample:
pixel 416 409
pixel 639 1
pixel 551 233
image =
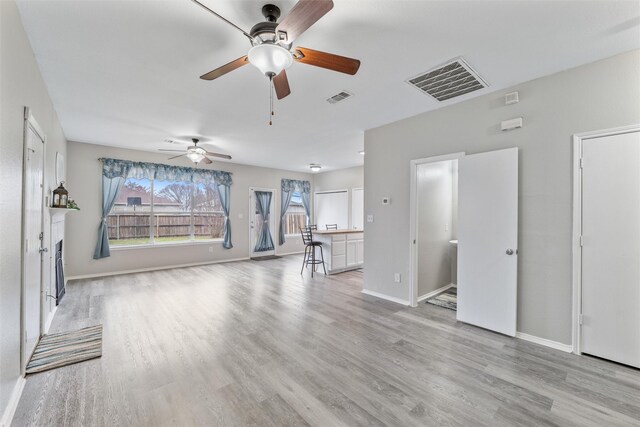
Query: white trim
pixel 385 297
pixel 436 292
pixel 52 313
pixel 12 405
pixel 567 348
pixel 117 248
pixel 342 190
pixel 413 219
pixel 576 262
pixel 144 270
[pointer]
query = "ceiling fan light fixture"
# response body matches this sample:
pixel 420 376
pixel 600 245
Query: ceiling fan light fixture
pixel 270 58
pixel 195 156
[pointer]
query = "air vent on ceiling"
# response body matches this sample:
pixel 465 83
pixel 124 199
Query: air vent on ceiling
pixel 339 97
pixel 453 79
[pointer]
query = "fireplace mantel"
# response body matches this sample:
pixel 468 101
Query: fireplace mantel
pixel 58 214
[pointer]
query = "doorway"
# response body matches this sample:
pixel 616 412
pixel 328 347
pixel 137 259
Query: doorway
pixel 32 233
pixel 607 248
pixel 261 222
pixel 486 229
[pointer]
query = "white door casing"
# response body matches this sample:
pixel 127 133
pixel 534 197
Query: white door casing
pixel 488 240
pixel 255 220
pixel 610 230
pixel 32 233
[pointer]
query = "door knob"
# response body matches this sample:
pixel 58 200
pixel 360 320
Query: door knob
pixel 43 250
pixel 509 251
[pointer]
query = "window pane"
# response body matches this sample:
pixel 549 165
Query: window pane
pixel 296 217
pixel 172 211
pixel 128 221
pixel 208 216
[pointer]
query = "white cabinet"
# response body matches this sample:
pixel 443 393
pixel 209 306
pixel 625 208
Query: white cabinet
pixel 343 249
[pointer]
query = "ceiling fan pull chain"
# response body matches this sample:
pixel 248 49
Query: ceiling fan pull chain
pixel 271 114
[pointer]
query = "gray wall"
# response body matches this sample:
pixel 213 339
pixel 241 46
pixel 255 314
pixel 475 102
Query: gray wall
pixel 435 223
pixel 600 95
pixel 20 85
pixel 341 179
pixel 84 185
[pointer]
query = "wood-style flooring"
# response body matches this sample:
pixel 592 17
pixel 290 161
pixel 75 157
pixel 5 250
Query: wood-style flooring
pixel 256 343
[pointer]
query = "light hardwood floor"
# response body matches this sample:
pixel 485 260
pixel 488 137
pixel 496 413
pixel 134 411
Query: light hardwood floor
pixel 256 343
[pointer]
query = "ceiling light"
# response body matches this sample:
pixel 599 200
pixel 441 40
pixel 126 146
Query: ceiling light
pixel 270 59
pixel 361 152
pixel 315 167
pixel 195 156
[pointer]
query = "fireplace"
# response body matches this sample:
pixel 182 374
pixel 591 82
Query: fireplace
pixel 59 269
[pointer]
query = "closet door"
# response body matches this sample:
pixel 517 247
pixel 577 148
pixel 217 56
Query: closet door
pixel 488 240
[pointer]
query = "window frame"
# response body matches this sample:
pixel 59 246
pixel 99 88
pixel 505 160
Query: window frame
pixel 308 218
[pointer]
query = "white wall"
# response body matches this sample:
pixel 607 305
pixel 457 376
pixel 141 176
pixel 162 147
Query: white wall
pixel 341 179
pixel 435 218
pixel 600 95
pixel 84 185
pixel 20 85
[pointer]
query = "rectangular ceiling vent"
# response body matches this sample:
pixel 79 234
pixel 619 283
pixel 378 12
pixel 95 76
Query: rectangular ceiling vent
pixel 455 78
pixel 339 97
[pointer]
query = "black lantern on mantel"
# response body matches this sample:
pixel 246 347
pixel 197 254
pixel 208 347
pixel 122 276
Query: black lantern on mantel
pixel 60 197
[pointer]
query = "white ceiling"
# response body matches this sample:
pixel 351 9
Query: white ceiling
pixel 126 73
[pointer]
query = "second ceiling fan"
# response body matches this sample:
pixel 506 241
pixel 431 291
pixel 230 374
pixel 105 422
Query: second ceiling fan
pixel 272 52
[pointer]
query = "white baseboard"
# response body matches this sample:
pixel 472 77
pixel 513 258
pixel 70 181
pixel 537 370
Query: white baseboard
pixel 386 297
pixel 567 348
pixel 436 292
pixel 144 270
pixel 47 324
pixel 10 410
pixel 290 253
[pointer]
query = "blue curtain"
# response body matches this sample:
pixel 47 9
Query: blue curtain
pixel 263 202
pixel 112 181
pixel 289 186
pixel 224 191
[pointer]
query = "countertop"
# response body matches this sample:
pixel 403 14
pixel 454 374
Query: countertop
pixel 325 232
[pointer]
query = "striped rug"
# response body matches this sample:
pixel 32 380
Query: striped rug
pixel 66 348
pixel 447 299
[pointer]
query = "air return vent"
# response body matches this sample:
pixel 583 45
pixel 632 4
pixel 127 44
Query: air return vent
pixel 339 97
pixel 448 81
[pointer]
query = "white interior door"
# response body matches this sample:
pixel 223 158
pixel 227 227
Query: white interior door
pixel 357 208
pixel 488 240
pixel 261 229
pixel 32 228
pixel 611 248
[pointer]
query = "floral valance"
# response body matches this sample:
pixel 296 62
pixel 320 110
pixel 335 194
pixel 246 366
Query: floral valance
pixel 296 185
pixel 113 168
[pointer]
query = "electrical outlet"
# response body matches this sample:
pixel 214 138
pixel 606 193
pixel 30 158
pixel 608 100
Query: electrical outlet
pixel 397 278
pixel 240 216
pixel 369 218
pixel 210 249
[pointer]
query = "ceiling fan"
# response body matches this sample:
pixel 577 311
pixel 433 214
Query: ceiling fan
pixel 271 42
pixel 197 154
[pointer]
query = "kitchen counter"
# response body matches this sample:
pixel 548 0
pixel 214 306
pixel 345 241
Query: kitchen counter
pixel 346 231
pixel 343 249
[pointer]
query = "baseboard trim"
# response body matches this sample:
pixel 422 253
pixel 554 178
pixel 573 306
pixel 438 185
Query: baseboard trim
pixel 290 253
pixel 567 348
pixel 10 410
pixel 144 270
pixel 386 297
pixel 47 324
pixel 436 292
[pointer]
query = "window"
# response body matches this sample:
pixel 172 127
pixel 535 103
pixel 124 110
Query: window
pixel 148 212
pixel 296 216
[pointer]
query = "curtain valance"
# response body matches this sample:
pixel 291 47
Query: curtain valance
pixel 115 168
pixel 289 185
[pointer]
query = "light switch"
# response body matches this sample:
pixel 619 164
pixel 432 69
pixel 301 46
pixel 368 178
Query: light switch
pixel 240 216
pixel 369 218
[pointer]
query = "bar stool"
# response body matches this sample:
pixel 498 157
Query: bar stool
pixel 310 250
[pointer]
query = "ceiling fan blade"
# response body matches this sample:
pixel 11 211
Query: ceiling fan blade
pixel 281 84
pixel 174 151
pixel 223 18
pixel 175 157
pixel 303 15
pixel 326 60
pixel 221 156
pixel 221 71
pixel 206 160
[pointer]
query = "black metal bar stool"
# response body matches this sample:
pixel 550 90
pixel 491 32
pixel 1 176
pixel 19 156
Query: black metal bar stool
pixel 310 250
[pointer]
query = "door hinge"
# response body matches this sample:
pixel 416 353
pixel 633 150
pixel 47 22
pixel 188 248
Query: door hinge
pixel 581 240
pixel 581 162
pixel 580 319
pixel 41 235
